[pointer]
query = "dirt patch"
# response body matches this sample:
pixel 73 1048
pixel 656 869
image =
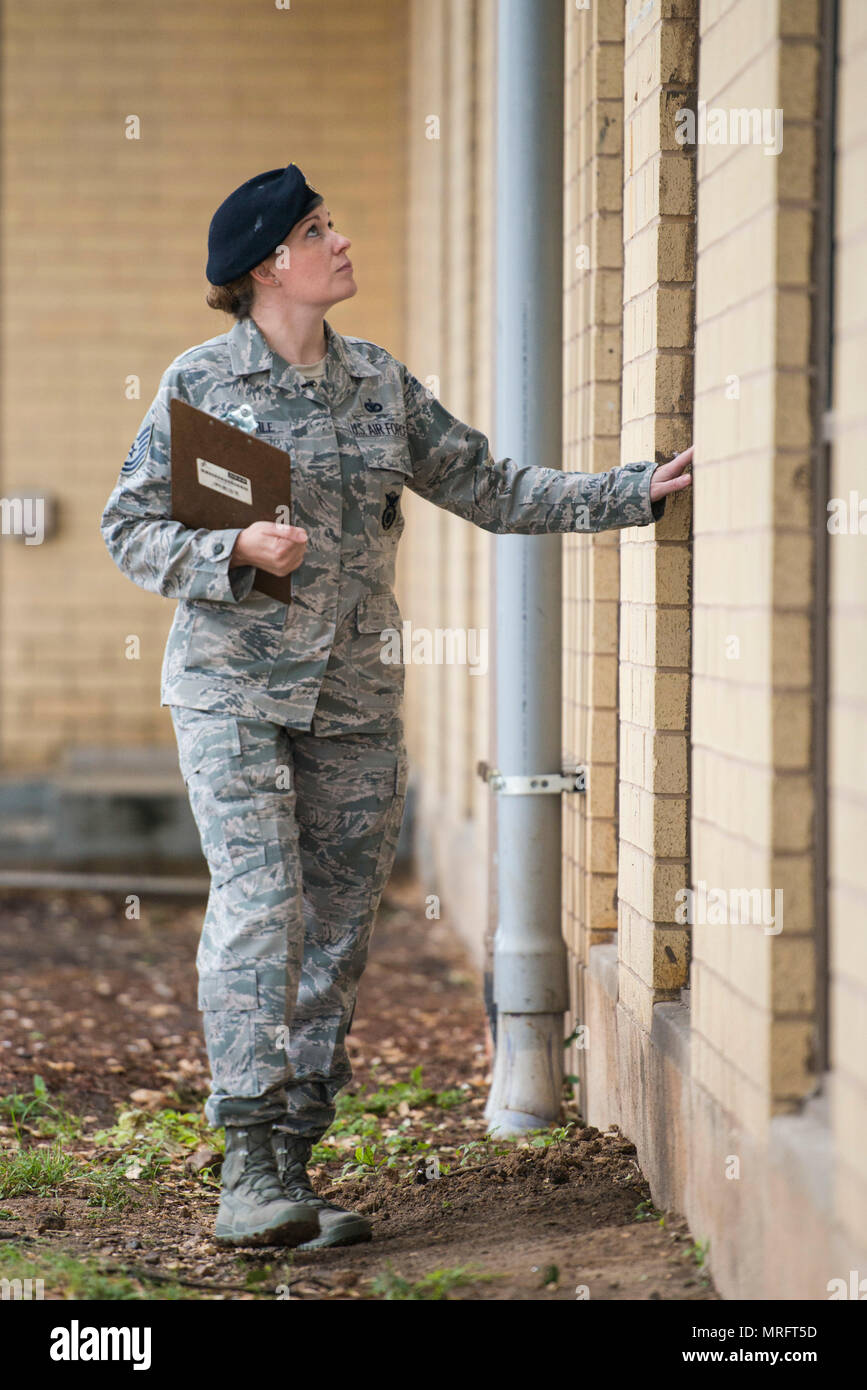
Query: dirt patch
pixel 103 1009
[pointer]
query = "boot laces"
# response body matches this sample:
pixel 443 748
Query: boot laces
pixel 295 1179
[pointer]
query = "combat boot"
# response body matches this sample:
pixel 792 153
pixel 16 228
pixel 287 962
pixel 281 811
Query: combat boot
pixel 254 1210
pixel 337 1225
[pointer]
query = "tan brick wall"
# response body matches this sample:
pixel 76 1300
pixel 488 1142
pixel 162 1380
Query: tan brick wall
pixel 418 558
pixel 454 687
pixel 847 772
pixel 593 288
pixel 104 243
pixel 648 615
pixel 752 992
pixel 658 232
pixel 444 562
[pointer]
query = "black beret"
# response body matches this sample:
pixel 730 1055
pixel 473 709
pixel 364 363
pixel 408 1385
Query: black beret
pixel 254 220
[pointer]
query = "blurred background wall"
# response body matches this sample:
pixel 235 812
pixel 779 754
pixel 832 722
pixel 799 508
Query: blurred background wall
pixel 104 243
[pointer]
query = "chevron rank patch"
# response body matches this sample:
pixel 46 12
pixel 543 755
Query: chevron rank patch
pixel 138 452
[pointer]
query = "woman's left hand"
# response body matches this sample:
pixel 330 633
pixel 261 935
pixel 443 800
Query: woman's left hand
pixel 670 477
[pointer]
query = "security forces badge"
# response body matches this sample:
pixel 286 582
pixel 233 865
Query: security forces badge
pixel 389 511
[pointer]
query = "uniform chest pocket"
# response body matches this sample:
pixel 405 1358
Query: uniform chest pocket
pixel 386 467
pixel 378 671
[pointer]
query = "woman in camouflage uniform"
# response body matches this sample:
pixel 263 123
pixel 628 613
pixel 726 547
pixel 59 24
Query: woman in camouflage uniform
pixel 288 722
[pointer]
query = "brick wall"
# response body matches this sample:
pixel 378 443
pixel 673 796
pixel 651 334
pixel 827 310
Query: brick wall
pixel 658 231
pixel 593 287
pixel 688 645
pixel 104 247
pixel 753 798
pixel 444 562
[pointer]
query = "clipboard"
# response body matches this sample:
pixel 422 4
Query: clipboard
pixel 224 477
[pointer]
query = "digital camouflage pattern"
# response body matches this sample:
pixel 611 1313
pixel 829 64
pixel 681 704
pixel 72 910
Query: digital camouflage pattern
pixel 279 809
pixel 356 437
pixel 288 723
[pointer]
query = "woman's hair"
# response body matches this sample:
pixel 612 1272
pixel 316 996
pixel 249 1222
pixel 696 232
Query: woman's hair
pixel 237 296
pixel 234 298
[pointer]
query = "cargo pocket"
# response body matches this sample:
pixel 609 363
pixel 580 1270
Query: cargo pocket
pixel 377 651
pixel 376 612
pixel 222 800
pixel 228 1000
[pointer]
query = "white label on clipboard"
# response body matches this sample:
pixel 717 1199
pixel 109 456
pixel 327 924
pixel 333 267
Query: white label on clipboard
pixel 222 480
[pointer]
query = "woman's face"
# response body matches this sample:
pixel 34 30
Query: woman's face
pixel 315 269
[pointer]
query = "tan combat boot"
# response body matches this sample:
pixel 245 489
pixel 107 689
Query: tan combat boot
pixel 254 1209
pixel 337 1226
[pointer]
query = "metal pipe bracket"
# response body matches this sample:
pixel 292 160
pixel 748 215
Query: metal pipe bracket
pixel 533 783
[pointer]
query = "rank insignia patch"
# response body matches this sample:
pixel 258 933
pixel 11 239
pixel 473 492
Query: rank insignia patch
pixel 138 452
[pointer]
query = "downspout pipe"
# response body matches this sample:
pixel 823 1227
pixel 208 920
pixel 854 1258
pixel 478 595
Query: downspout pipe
pixel 530 973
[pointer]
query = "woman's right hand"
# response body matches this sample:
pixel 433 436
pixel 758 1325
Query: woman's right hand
pixel 270 546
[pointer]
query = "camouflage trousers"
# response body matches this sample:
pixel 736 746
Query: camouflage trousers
pixel 300 833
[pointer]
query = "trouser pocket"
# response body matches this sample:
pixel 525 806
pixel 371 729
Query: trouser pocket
pixel 246 1012
pixel 223 800
pixel 229 1001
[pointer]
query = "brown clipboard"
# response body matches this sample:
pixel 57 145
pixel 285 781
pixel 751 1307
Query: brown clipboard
pixel 224 477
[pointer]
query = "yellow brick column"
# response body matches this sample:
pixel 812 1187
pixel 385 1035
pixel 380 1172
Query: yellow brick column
pixel 753 794
pixel 658 206
pixel 593 281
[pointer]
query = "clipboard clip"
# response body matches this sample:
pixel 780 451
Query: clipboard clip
pixel 243 417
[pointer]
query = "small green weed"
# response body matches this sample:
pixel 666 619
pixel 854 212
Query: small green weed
pixel 387 1099
pixel 151 1141
pixel 435 1286
pixel 699 1252
pixel 37 1111
pixel 36 1172
pixel 544 1138
pixel 80 1279
pixel 646 1211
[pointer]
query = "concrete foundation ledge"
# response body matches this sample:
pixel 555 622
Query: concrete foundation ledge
pixel 764 1203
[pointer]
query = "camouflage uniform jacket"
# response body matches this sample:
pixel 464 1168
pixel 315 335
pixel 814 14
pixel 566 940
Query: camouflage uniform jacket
pixel 356 437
